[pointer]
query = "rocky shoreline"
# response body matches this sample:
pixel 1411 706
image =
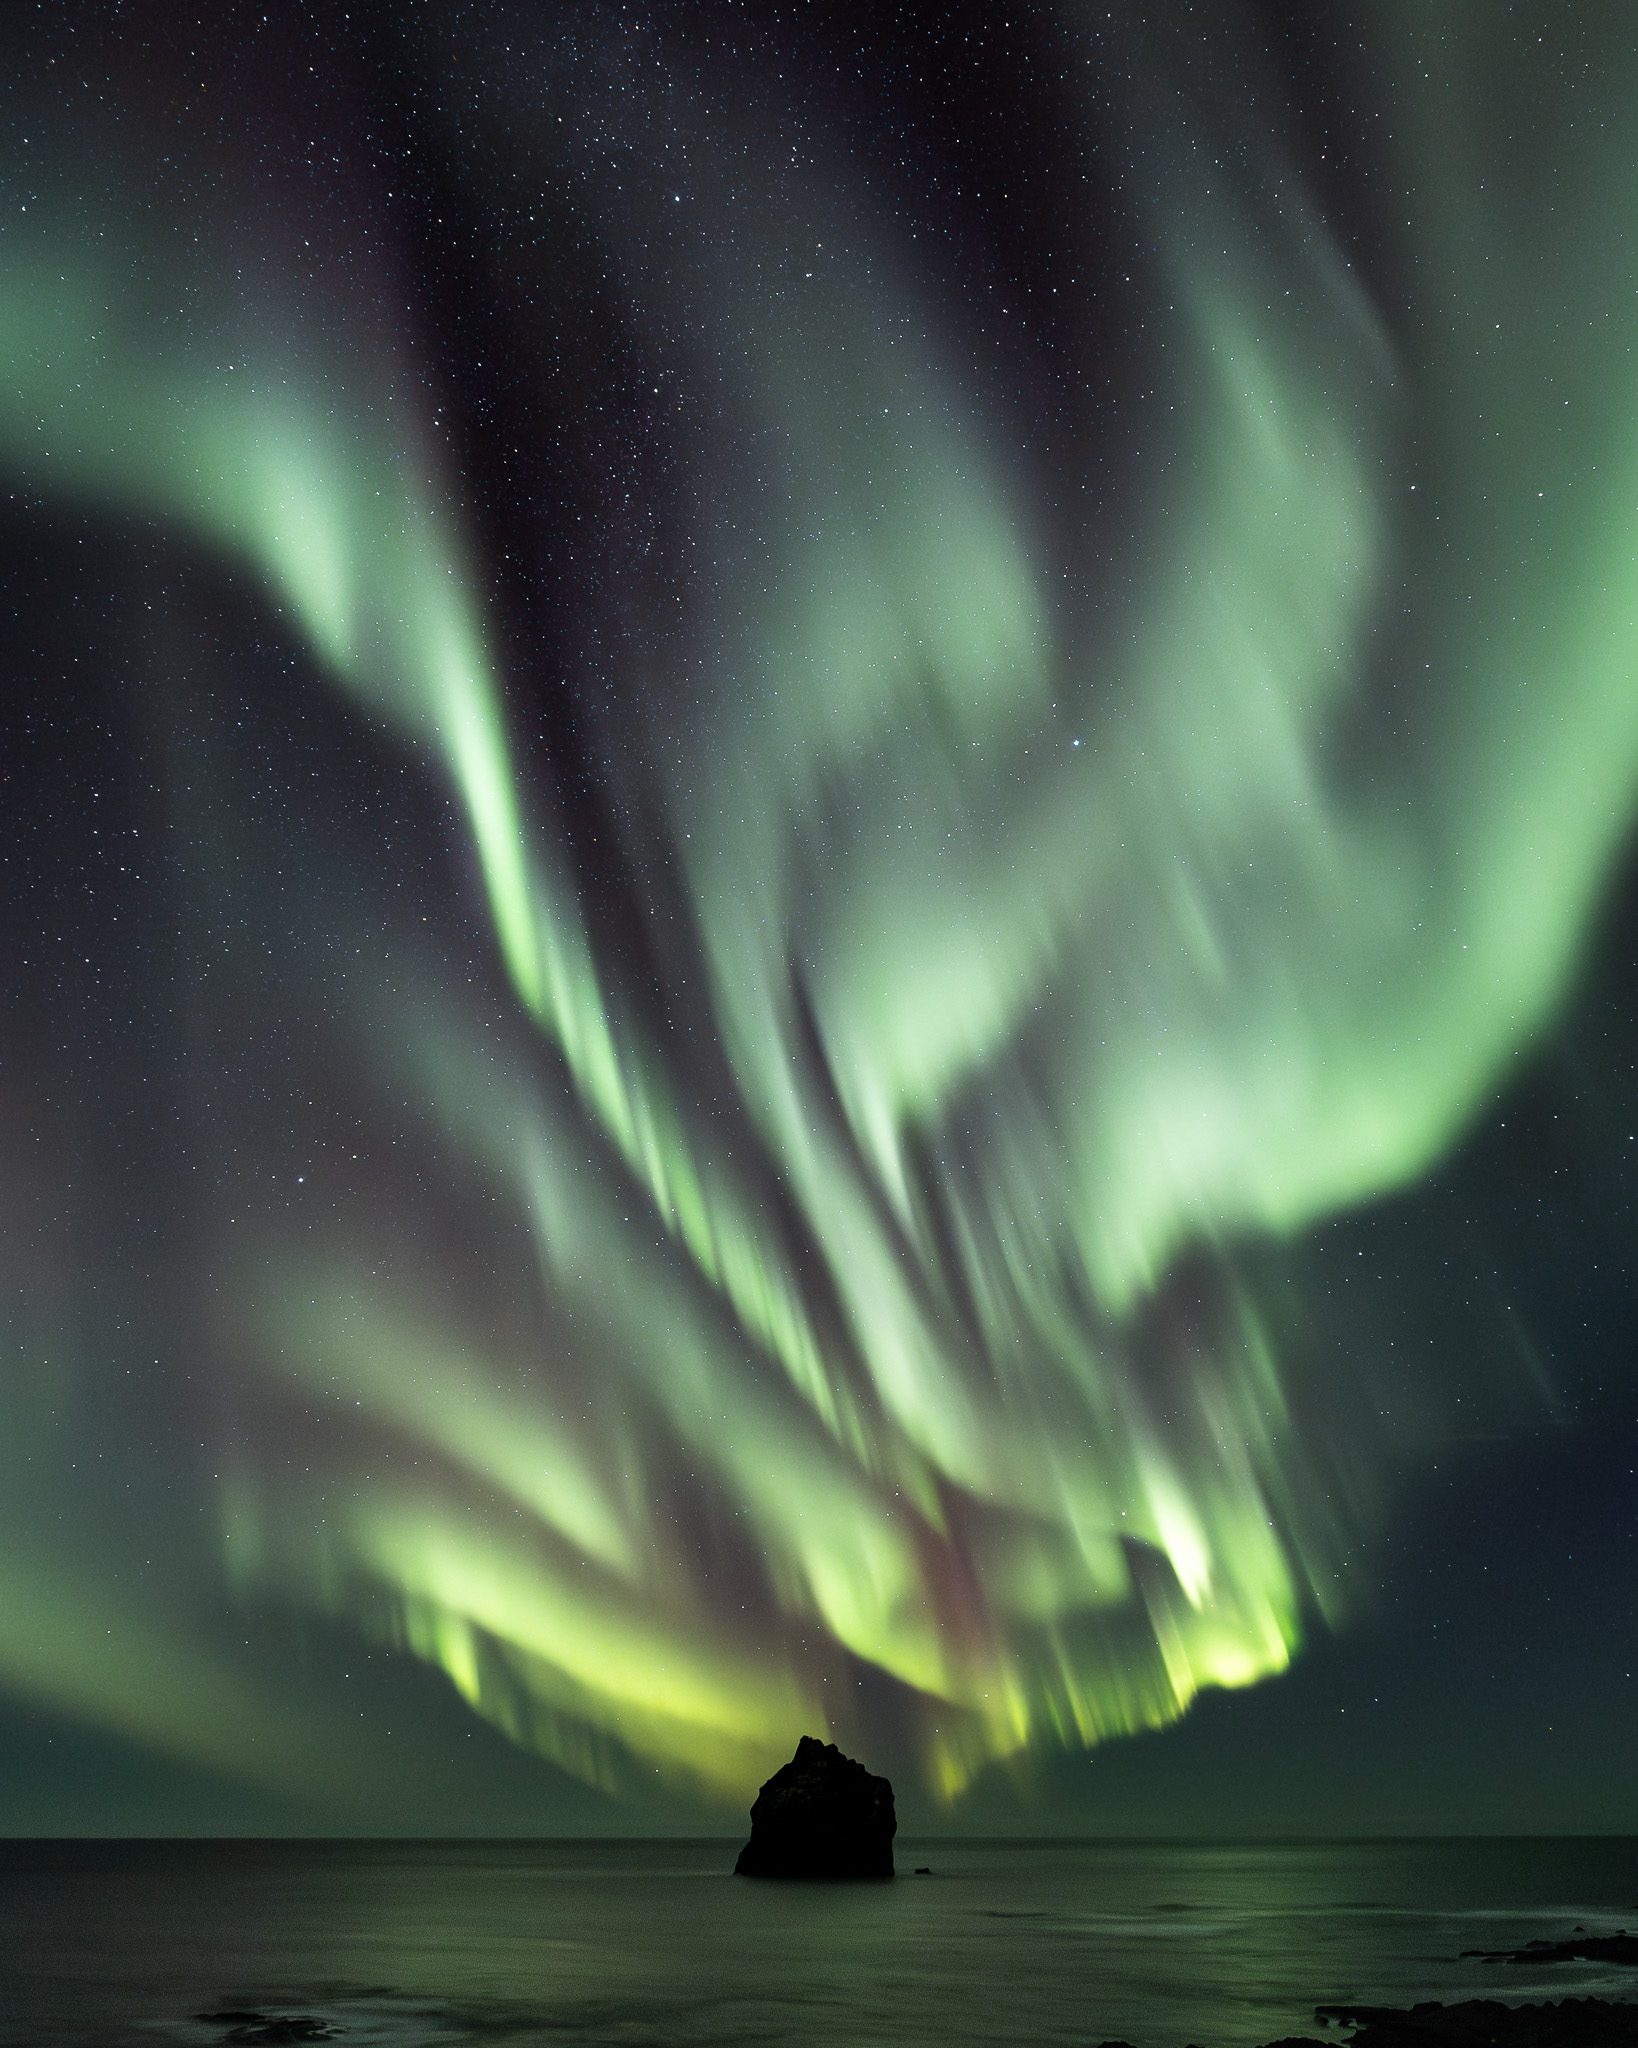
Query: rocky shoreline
pixel 1479 2023
pixel 1468 2023
pixel 1471 2023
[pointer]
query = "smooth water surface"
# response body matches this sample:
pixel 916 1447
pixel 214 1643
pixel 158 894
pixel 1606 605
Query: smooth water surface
pixel 655 1943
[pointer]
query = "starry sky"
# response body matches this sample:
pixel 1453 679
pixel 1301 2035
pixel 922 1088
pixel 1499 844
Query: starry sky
pixel 816 847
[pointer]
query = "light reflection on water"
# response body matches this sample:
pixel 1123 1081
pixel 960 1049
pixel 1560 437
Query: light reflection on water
pixel 424 1944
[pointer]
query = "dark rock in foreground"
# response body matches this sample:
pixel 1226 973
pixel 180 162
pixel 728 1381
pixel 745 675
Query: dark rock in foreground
pixel 821 1816
pixel 1583 1948
pixel 1485 2023
pixel 262 2030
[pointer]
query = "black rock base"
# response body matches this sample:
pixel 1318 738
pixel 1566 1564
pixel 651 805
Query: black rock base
pixel 821 1816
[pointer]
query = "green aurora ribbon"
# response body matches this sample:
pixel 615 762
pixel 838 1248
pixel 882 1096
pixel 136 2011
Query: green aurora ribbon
pixel 1045 945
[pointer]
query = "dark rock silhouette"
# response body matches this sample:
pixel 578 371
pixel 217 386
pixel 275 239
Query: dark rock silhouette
pixel 1485 2023
pixel 261 2030
pixel 820 1816
pixel 1582 1947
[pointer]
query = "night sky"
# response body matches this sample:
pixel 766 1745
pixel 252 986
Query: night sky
pixel 816 855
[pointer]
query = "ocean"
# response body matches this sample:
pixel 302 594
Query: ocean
pixel 641 1943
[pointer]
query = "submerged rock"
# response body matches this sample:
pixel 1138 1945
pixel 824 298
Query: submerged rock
pixel 1582 1947
pixel 264 2030
pixel 1487 2023
pixel 821 1816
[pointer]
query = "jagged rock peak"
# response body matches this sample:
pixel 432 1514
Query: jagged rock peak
pixel 821 1816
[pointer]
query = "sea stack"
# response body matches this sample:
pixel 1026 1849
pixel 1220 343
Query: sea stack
pixel 820 1816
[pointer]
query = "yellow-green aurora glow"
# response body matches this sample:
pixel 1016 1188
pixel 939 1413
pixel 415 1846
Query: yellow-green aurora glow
pixel 877 1336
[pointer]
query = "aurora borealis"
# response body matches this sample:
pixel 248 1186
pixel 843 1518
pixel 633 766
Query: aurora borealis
pixel 752 762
